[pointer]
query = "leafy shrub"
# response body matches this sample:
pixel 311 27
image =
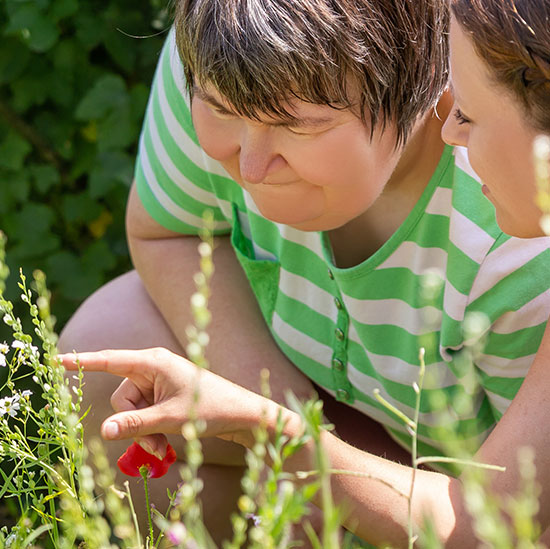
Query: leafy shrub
pixel 74 82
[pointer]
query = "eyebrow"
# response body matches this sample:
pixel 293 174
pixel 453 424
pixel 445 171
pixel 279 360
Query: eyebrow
pixel 305 121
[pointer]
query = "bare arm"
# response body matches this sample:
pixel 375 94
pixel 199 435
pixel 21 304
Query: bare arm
pixel 166 262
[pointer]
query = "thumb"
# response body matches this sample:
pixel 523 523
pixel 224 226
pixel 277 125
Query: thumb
pixel 132 424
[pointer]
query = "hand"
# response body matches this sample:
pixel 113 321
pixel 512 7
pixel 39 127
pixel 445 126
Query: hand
pixel 157 394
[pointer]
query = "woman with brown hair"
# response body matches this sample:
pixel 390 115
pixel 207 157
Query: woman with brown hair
pixel 500 80
pixel 500 77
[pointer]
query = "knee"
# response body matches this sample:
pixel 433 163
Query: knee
pixel 101 315
pixel 120 315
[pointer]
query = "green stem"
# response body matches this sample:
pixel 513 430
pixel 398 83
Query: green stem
pixel 133 512
pixel 418 391
pixel 144 472
pixel 167 514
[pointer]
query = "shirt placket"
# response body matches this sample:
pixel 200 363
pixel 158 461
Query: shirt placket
pixel 339 363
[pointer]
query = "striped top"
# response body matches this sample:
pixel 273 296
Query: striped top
pixel 358 329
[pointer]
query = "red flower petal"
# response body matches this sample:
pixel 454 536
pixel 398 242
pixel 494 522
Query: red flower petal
pixel 135 457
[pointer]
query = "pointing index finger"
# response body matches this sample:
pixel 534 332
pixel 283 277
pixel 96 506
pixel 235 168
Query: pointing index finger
pixel 118 362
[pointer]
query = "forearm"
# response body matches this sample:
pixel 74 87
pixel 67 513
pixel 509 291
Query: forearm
pixel 375 497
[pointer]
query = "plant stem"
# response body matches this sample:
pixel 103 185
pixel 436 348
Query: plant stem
pixel 418 391
pixel 133 512
pixel 144 471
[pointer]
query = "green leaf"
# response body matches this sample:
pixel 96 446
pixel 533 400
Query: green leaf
pixel 13 151
pixel 58 131
pixel 139 95
pixel 65 268
pixel 37 31
pixel 90 30
pixel 32 245
pixel 27 94
pixel 79 208
pixel 61 90
pixel 63 8
pixel 33 217
pixel 118 130
pixel 84 159
pixel 45 177
pixel 66 55
pixel 121 49
pixel 14 189
pixel 98 256
pixel 112 167
pixel 13 60
pixel 108 93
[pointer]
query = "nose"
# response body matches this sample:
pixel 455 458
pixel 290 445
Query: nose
pixel 258 157
pixel 454 133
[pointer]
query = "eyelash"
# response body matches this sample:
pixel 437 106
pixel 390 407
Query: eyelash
pixel 227 114
pixel 221 112
pixel 460 118
pixel 299 133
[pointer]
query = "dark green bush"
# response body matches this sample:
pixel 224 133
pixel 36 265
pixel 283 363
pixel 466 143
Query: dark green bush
pixel 74 82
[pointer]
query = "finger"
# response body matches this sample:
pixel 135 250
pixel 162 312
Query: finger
pixel 128 396
pixel 122 363
pixel 136 424
pixel 154 444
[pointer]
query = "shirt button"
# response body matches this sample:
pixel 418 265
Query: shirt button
pixel 338 303
pixel 339 334
pixel 330 274
pixel 337 364
pixel 342 394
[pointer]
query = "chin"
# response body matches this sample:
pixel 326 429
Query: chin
pixel 527 228
pixel 286 216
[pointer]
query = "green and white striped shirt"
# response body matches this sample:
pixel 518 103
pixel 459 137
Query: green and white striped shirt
pixel 358 329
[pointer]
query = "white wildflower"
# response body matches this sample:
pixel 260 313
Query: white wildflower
pixel 26 393
pixel 10 539
pixel 4 348
pixel 9 405
pixel 2 360
pixel 30 349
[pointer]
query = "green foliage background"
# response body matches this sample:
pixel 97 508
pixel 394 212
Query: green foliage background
pixel 73 90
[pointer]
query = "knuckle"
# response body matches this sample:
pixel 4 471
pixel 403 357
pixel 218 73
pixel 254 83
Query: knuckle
pixel 134 424
pixel 103 357
pixel 160 354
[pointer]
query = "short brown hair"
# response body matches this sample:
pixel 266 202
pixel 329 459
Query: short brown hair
pixel 259 53
pixel 513 38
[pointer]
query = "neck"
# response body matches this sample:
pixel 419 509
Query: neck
pixel 363 236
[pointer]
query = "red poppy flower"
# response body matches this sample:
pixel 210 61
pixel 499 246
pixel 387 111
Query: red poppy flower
pixel 135 457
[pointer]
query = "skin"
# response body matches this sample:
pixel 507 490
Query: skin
pixel 493 125
pixel 316 174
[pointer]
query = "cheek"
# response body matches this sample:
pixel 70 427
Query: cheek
pixel 505 166
pixel 218 138
pixel 340 159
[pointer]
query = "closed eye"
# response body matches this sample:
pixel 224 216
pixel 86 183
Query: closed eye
pixel 222 113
